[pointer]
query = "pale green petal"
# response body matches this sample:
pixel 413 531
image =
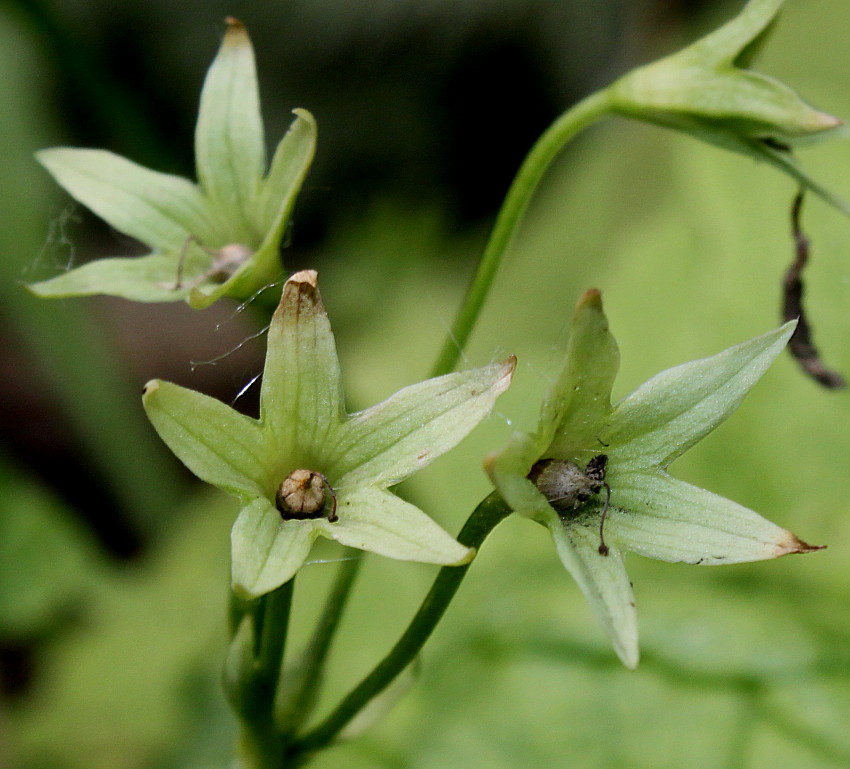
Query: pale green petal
pixel 738 35
pixel 220 445
pixel 602 579
pixel 660 517
pixel 508 470
pixel 149 278
pixel 389 442
pixel 676 408
pixel 273 209
pixel 229 141
pixel 267 551
pixel 378 521
pixel 301 398
pixel 580 401
pixel 288 170
pixel 158 209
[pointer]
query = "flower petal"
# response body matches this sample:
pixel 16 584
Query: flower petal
pixel 274 206
pixel 727 43
pixel 301 399
pixel 602 579
pixel 220 445
pixel 391 441
pixel 289 167
pixel 580 401
pixel 668 414
pixel 229 142
pixel 508 469
pixel 150 278
pixel 157 209
pixel 378 521
pixel 661 517
pixel 267 551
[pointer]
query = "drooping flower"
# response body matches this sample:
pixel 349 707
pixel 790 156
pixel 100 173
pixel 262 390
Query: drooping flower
pixel 219 237
pixel 307 468
pixel 592 463
pixel 709 91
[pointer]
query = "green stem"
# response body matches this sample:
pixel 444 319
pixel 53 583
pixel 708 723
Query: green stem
pixel 483 520
pixel 261 744
pixel 588 110
pixel 305 683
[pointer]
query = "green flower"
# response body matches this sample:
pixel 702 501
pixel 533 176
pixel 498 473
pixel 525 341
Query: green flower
pixel 708 91
pixel 589 456
pixel 307 468
pixel 220 237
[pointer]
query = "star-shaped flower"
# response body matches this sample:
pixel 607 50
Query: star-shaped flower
pixel 708 91
pixel 220 237
pixel 590 459
pixel 307 468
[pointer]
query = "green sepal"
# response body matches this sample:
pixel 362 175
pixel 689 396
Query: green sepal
pixel 603 580
pixel 667 519
pixel 675 409
pixel 229 142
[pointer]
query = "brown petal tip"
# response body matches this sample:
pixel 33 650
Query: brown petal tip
pixel 794 545
pixel 305 276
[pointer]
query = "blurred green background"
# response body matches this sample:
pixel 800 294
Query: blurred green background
pixel 114 563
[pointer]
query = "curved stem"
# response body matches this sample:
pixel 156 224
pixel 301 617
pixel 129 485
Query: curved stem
pixel 528 177
pixel 483 520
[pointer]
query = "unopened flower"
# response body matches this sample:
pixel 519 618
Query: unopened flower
pixel 709 91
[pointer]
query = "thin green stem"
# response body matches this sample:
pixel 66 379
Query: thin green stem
pixel 261 745
pixel 306 680
pixel 526 181
pixel 483 520
pixel 272 637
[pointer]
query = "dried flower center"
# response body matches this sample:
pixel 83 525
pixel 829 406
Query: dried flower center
pixel 303 494
pixel 566 486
